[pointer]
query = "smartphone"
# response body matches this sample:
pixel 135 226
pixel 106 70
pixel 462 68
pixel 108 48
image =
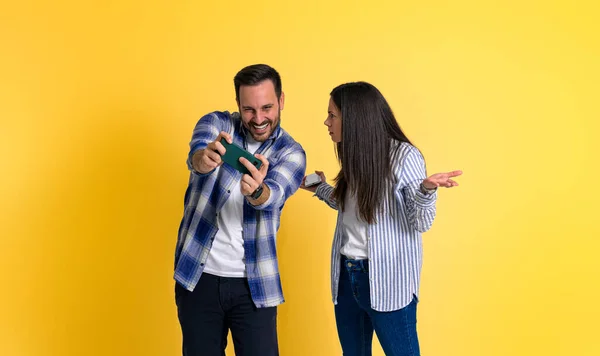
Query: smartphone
pixel 312 179
pixel 232 156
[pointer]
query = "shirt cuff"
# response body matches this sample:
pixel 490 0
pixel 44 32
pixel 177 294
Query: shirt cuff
pixel 425 200
pixel 323 191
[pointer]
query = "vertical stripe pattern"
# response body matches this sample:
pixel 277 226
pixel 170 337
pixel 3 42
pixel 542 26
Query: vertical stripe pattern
pixel 394 241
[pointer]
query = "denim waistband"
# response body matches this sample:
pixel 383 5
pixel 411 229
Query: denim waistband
pixel 355 265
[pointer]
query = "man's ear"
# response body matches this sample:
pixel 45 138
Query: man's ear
pixel 281 101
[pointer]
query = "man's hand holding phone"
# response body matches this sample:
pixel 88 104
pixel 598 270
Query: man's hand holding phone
pixel 252 182
pixel 208 159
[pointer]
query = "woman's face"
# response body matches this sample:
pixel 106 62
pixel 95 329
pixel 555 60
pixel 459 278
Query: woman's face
pixel 334 122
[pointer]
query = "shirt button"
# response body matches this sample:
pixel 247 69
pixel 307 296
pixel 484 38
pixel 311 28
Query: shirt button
pixel 229 191
pixel 202 264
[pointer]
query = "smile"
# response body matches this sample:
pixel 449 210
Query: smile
pixel 261 127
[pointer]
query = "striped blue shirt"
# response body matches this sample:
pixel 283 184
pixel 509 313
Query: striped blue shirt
pixel 394 242
pixel 206 194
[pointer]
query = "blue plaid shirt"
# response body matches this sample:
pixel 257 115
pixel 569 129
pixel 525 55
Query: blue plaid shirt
pixel 206 194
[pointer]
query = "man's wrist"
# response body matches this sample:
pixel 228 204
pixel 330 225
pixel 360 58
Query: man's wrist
pixel 257 193
pixel 262 197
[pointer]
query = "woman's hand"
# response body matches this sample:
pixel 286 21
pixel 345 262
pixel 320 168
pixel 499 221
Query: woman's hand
pixel 441 180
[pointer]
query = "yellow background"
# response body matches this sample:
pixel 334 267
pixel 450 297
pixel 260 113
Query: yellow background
pixel 98 100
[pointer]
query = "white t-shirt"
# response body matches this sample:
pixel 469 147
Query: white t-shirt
pixel 354 233
pixel 226 257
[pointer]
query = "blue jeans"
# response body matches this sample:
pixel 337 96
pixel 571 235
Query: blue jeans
pixel 356 320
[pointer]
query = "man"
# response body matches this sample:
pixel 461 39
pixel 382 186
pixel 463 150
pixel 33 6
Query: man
pixel 226 271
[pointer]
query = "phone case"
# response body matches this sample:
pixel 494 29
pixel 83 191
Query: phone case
pixel 232 156
pixel 312 179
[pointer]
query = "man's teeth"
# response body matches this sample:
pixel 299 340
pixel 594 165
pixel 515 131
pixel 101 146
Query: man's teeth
pixel 264 126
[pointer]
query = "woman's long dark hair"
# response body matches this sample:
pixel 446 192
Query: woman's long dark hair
pixel 369 129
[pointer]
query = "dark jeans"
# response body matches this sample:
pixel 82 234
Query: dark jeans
pixel 217 305
pixel 396 331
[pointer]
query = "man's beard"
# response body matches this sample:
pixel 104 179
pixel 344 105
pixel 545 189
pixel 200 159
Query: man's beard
pixel 271 127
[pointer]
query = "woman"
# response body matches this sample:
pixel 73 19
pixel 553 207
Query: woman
pixel 384 201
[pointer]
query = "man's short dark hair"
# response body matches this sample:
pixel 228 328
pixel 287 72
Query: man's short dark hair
pixel 254 74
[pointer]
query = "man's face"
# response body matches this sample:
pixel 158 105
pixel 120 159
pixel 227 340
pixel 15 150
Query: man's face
pixel 260 109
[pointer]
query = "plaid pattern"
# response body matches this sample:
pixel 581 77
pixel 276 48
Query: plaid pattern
pixel 206 194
